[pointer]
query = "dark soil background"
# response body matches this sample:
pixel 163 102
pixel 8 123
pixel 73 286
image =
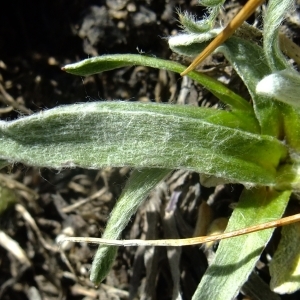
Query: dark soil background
pixel 37 38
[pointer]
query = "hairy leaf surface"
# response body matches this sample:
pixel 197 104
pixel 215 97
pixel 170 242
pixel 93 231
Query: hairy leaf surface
pixel 95 135
pixel 139 185
pixel 109 62
pixel 236 257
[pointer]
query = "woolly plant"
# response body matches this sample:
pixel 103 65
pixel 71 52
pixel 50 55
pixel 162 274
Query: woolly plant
pixel 257 145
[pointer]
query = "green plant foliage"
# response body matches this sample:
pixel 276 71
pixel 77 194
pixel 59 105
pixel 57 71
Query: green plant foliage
pixel 255 144
pixel 262 70
pixel 109 62
pixel 94 135
pixel 136 190
pixel 236 257
pixel 240 52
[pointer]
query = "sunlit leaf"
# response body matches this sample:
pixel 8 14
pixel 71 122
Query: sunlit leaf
pixel 109 62
pixel 236 257
pixel 95 135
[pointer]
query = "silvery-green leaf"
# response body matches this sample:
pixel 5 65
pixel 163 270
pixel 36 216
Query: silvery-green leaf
pixel 288 174
pixel 285 264
pixel 139 185
pixel 236 257
pixel 95 135
pixel 284 86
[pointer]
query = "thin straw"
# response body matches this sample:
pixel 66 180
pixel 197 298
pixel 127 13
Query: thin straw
pixel 189 241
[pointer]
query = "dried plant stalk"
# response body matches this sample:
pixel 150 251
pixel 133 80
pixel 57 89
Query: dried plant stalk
pixel 188 241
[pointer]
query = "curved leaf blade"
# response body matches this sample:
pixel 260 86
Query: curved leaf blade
pixel 236 257
pixel 139 185
pixel 109 62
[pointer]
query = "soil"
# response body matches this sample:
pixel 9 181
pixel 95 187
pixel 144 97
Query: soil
pixel 37 38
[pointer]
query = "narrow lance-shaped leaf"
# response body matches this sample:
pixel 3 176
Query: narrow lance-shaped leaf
pixel 236 257
pixel 139 185
pixel 109 62
pixel 94 135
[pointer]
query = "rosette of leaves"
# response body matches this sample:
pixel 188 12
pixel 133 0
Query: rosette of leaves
pixel 257 145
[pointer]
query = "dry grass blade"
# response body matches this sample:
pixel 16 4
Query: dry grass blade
pixel 189 241
pixel 235 23
pixel 76 205
pixel 9 100
pixel 28 218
